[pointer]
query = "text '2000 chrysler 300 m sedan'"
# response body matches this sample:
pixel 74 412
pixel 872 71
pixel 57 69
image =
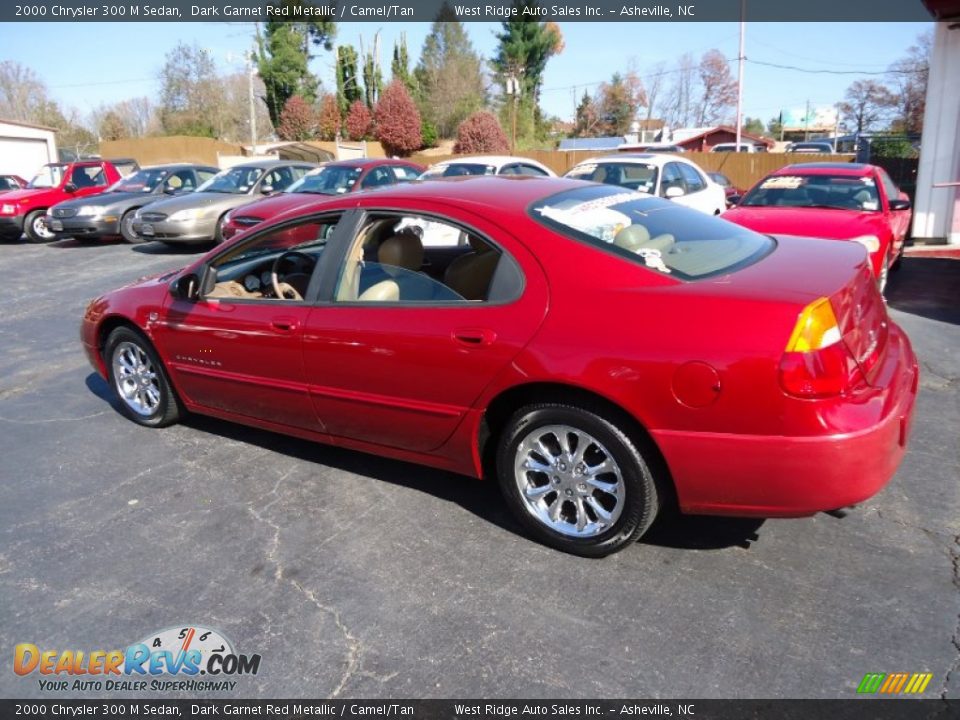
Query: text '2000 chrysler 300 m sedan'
pixel 603 354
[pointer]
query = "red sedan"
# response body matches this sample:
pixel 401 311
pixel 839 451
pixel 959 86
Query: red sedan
pixel 836 201
pixel 602 353
pixel 11 182
pixel 334 178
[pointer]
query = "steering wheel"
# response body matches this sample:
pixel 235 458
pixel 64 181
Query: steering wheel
pixel 284 290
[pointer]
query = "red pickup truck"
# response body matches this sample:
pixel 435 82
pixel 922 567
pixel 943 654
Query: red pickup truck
pixel 22 211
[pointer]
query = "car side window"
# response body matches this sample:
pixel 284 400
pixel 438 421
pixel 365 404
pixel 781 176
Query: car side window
pixel 276 266
pixel 378 176
pixel 692 178
pixel 182 181
pixel 390 262
pixel 204 175
pixel 889 186
pixel 531 170
pixel 403 173
pixel 671 178
pixel 278 179
pixel 90 176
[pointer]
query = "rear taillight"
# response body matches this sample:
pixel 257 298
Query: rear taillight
pixel 816 362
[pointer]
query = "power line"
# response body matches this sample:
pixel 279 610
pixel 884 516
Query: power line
pixel 97 84
pixel 814 71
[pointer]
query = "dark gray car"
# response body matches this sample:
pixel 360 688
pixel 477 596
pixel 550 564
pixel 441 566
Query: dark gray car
pixel 199 217
pixel 111 213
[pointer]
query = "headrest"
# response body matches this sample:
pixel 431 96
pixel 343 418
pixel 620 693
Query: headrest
pixel 403 250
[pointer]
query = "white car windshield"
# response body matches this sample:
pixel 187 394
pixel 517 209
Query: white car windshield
pixel 50 176
pixel 655 233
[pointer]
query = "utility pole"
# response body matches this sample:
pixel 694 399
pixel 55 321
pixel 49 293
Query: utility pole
pixel 512 87
pixel 253 109
pixel 806 122
pixel 743 30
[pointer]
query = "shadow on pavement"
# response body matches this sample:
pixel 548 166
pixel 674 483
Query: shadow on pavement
pixel 70 243
pixel 926 287
pixel 482 498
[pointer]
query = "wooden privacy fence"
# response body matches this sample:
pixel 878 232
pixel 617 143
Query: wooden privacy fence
pixel 743 169
pixel 172 149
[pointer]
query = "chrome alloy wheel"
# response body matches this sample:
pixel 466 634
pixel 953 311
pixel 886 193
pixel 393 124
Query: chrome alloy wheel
pixel 569 481
pixel 41 230
pixel 136 379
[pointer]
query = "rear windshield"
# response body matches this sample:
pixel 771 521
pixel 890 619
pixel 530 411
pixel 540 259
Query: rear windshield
pixel 658 234
pixel 633 175
pixel 457 169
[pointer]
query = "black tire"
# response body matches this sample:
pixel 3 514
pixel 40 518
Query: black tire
pixel 126 228
pixel 218 233
pixel 639 497
pixel 33 235
pixel 168 409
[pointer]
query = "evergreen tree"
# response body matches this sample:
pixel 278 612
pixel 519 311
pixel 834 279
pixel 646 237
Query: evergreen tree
pixel 348 80
pixel 283 56
pixel 372 79
pixel 449 78
pixel 400 67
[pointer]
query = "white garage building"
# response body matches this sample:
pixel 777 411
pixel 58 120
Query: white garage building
pixel 24 148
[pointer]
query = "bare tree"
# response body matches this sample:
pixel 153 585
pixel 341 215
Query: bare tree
pixel 23 95
pixel 867 104
pixel 655 83
pixel 677 108
pixel 909 76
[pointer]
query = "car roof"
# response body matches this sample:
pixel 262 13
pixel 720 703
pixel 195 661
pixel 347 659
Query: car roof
pixel 172 166
pixel 826 168
pixel 497 160
pixel 366 162
pixel 658 159
pixel 269 164
pixel 497 192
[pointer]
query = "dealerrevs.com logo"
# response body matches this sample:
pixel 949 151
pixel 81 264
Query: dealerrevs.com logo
pixel 184 653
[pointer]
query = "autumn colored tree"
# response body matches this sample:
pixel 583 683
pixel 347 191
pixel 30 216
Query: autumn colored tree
pixel 359 120
pixel 480 133
pixel 617 103
pixel 328 118
pixel 398 121
pixel 718 89
pixel 588 119
pixel 297 120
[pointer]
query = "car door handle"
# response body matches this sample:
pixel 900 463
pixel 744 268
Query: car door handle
pixel 474 337
pixel 284 324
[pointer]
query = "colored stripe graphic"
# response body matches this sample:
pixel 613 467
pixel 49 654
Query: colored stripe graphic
pixel 894 683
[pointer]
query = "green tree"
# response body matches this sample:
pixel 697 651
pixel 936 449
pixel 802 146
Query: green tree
pixel 190 92
pixel 400 66
pixel 449 78
pixel 774 127
pixel 588 119
pixel 283 53
pixel 753 126
pixel 348 81
pixel 372 79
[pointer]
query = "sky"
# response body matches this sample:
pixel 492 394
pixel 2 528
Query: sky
pixel 122 60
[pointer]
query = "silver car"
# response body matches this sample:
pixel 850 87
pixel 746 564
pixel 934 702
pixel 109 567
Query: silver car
pixel 199 216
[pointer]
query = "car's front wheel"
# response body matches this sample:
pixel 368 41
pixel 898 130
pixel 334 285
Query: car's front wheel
pixel 36 229
pixel 126 228
pixel 139 380
pixel 575 480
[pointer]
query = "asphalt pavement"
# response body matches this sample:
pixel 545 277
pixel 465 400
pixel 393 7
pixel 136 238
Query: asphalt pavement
pixel 359 577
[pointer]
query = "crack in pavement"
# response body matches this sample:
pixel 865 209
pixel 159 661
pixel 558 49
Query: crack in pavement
pixel 54 419
pixel 354 650
pixel 955 640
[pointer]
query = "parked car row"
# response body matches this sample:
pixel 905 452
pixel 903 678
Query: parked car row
pixel 197 204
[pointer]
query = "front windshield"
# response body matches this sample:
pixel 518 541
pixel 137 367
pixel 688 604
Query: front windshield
pixel 328 180
pixel 235 181
pixel 652 232
pixel 457 169
pixel 839 192
pixel 636 176
pixel 50 176
pixel 142 181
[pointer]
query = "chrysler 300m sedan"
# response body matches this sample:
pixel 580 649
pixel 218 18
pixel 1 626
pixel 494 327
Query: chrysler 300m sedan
pixel 602 353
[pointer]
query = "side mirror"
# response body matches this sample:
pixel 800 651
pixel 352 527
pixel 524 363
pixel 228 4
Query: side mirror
pixel 266 189
pixel 674 192
pixel 70 187
pixel 186 287
pixel 734 200
pixel 899 204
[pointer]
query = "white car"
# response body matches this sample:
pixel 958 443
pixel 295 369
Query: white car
pixel 668 176
pixel 488 165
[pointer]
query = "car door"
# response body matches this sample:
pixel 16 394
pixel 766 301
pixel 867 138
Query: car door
pixel 236 349
pixel 402 370
pixel 899 219
pixel 699 194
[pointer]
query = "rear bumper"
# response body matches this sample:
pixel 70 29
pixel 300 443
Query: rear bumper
pixel 777 476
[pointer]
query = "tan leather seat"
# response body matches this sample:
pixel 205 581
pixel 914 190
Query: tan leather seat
pixel 469 275
pixel 637 237
pixel 383 291
pixel 404 249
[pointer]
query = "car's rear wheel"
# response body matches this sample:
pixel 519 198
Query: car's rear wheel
pixel 126 228
pixel 139 380
pixel 36 228
pixel 575 480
